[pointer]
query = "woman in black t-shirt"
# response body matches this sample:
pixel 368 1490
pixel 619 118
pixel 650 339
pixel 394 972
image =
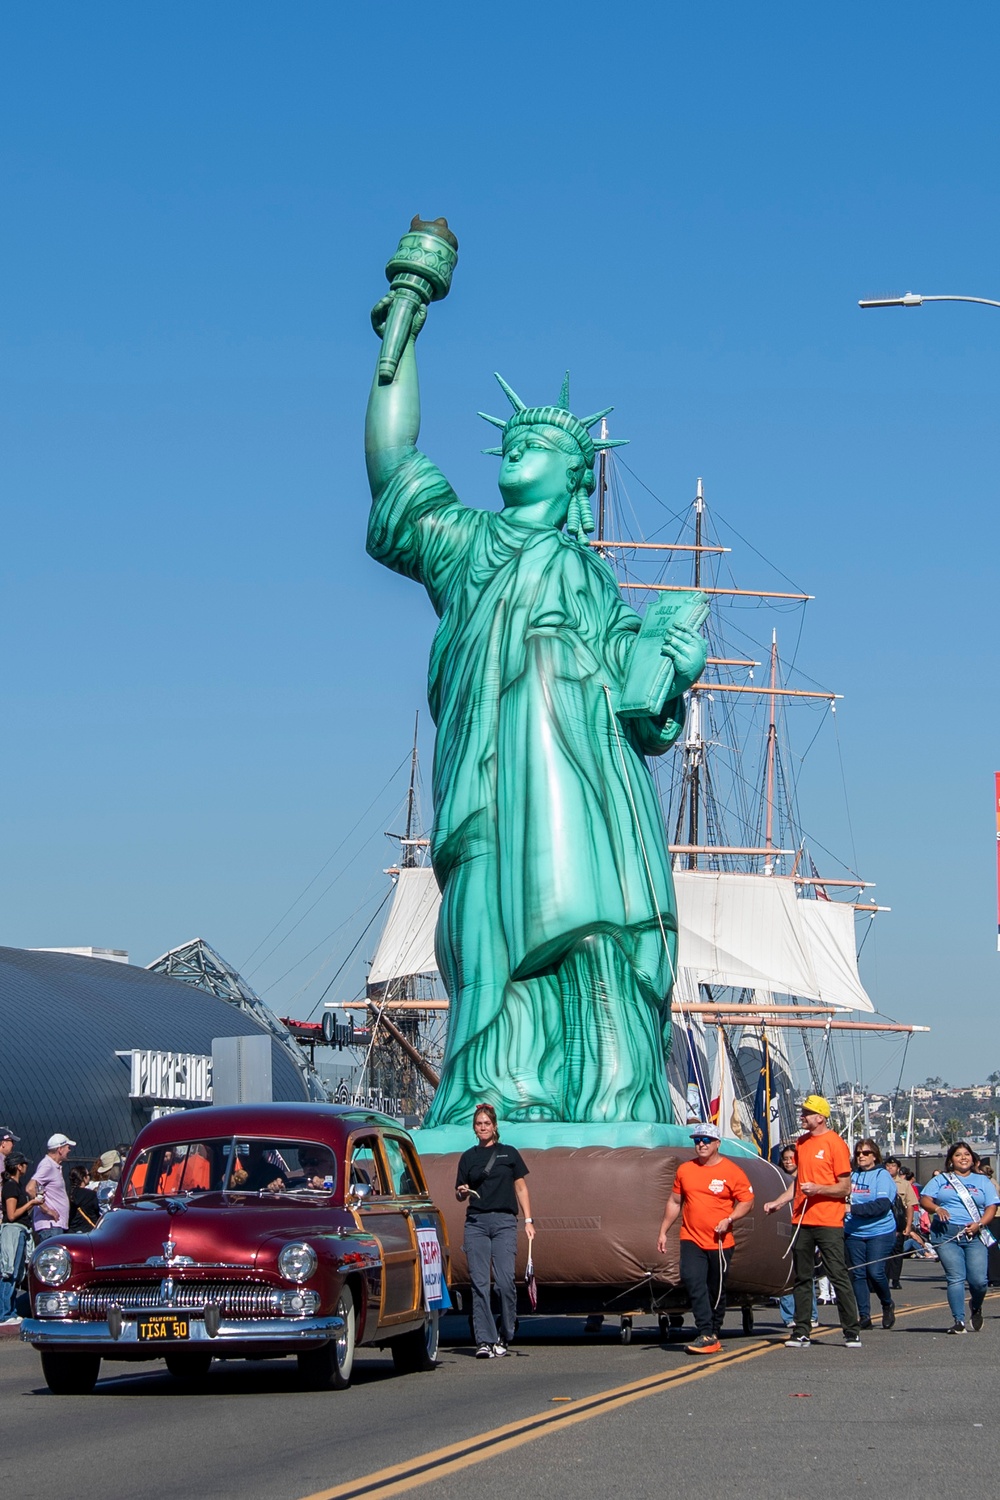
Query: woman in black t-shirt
pixel 17 1206
pixel 490 1180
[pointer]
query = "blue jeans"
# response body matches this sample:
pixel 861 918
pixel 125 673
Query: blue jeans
pixel 786 1307
pixel 491 1237
pixel 874 1250
pixel 8 1284
pixel 963 1261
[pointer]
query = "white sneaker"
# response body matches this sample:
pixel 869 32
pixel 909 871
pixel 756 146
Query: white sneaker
pixel 500 1351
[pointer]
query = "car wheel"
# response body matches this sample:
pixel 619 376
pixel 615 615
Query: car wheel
pixel 418 1350
pixel 70 1374
pixel 333 1363
pixel 189 1365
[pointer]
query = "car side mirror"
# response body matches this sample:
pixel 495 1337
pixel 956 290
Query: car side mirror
pixel 360 1191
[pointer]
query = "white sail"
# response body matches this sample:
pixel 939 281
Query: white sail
pixel 407 943
pixel 829 929
pixel 743 931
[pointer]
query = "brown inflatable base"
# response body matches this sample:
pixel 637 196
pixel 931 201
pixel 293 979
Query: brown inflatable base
pixel 597 1213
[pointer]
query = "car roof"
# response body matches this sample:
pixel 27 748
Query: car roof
pixel 329 1123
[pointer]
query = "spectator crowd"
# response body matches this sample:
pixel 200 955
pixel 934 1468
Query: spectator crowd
pixel 45 1203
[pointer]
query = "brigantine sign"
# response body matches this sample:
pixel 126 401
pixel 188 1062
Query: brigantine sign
pixel 184 1077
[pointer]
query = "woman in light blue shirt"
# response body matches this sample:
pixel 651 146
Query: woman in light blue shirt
pixel 870 1232
pixel 961 1203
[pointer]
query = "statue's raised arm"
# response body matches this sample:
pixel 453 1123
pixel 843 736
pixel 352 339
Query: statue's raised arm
pixel 420 272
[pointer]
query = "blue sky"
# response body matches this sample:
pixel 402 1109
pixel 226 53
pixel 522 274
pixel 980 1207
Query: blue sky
pixel 210 688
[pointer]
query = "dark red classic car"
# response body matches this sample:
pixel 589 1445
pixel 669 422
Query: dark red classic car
pixel 247 1232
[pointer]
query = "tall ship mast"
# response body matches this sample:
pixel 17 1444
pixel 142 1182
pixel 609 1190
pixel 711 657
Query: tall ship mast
pixel 768 945
pixel 405 1003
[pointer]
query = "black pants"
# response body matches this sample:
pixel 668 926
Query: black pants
pixel 894 1265
pixel 700 1273
pixel 830 1243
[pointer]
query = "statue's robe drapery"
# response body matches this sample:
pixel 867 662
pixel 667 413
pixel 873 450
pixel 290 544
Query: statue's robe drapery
pixel 548 834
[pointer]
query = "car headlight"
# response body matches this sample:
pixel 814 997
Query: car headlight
pixel 52 1264
pixel 297 1262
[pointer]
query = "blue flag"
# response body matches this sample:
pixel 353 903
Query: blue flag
pixel 766 1128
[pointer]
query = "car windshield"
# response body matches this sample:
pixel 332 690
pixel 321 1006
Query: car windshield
pixel 241 1165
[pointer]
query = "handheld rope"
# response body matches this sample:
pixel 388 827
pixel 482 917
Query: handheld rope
pixel 798 1226
pixel 722 1270
pixel 905 1255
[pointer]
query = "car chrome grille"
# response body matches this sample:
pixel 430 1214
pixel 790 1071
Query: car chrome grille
pixel 234 1299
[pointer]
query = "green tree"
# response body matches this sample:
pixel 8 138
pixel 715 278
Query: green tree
pixel 951 1131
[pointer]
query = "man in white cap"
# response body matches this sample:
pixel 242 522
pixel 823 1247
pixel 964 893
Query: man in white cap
pixel 709 1193
pixel 52 1216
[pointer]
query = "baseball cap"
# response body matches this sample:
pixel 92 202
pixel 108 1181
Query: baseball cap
pixel 6 1134
pixel 816 1105
pixel 711 1131
pixel 57 1140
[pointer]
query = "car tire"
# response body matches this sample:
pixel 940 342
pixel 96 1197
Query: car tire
pixel 190 1366
pixel 70 1374
pixel 332 1364
pixel 418 1350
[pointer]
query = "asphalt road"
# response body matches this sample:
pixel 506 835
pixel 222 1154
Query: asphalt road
pixel 913 1410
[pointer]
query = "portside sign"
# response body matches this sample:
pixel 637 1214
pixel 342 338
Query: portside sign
pixel 182 1076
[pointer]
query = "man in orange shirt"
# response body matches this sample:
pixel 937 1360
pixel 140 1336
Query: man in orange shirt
pixel 821 1188
pixel 709 1193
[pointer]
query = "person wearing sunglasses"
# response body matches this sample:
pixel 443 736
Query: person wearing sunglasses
pixel 822 1184
pixel 870 1232
pixel 709 1195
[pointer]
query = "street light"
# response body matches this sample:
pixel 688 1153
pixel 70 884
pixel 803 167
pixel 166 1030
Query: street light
pixel 913 299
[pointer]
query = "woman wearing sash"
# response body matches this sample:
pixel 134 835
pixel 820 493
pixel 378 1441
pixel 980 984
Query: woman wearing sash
pixel 962 1203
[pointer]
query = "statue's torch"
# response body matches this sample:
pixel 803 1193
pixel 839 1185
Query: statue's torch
pixel 419 272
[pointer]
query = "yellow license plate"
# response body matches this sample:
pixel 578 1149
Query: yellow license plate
pixel 167 1326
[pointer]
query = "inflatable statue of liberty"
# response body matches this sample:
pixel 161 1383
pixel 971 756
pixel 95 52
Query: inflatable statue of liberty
pixel 557 932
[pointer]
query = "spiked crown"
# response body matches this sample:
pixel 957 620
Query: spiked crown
pixel 553 416
pixel 579 520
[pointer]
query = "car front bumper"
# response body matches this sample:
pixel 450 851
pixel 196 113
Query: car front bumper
pixel 72 1333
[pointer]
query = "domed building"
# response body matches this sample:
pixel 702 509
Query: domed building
pixel 94 1047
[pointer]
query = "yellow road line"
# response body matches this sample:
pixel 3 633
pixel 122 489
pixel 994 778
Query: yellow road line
pixel 439 1462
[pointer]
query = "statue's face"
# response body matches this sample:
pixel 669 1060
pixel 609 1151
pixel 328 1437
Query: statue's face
pixel 533 468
